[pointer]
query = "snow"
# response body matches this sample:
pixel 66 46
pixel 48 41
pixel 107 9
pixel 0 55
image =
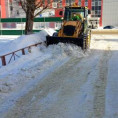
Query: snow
pixel 111 98
pixel 24 41
pixel 61 80
pixel 5 41
pixel 112 88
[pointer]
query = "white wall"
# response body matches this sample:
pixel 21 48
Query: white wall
pixel 110 12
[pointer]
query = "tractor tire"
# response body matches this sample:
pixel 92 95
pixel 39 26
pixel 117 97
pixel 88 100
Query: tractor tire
pixel 55 34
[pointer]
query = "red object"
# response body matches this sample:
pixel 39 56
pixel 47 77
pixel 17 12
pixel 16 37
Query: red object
pixel 63 3
pixel 52 25
pixel 51 1
pixel 57 12
pixel 10 0
pixel 19 3
pixel 76 1
pixel 101 12
pixel 3 9
pixel 46 2
pixel 82 3
pixel 89 4
pixel 3 61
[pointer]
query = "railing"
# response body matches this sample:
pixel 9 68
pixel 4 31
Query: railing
pixel 13 55
pixel 7 29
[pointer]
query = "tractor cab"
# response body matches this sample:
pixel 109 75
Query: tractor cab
pixel 79 11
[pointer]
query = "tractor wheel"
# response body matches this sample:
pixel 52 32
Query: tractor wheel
pixel 55 34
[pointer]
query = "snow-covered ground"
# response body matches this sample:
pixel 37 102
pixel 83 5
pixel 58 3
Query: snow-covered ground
pixel 61 81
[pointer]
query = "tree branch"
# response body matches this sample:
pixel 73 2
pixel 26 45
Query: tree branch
pixel 23 5
pixel 44 7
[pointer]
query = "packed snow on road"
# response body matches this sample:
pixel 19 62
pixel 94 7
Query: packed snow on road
pixel 59 81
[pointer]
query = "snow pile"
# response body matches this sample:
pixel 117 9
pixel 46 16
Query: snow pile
pixel 27 40
pixel 49 31
pixel 5 41
pixel 41 54
pixel 66 50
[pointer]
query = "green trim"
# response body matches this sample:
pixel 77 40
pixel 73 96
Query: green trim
pixel 47 19
pixel 15 32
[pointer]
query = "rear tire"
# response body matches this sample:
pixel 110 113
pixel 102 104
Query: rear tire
pixel 55 34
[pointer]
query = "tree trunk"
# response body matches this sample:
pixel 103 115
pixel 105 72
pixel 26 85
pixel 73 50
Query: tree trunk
pixel 29 21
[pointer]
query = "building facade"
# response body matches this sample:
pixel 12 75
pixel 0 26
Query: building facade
pixel 110 12
pixel 102 9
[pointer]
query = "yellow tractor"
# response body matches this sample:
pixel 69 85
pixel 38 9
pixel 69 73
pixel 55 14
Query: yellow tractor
pixel 74 29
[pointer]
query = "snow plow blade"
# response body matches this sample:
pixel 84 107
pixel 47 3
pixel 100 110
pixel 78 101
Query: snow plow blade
pixel 69 40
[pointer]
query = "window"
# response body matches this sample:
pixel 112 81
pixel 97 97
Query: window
pixel 93 3
pixel 96 8
pixel 93 8
pixel 86 3
pixel 96 3
pixel 99 3
pixel 79 3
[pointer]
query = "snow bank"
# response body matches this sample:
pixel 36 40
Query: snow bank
pixel 66 49
pixel 54 50
pixel 5 41
pixel 22 42
pixel 27 40
pixel 44 53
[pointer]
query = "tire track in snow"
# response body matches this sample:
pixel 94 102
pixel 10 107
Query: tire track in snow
pixel 100 86
pixel 58 83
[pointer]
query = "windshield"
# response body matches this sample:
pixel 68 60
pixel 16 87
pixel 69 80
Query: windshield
pixel 69 13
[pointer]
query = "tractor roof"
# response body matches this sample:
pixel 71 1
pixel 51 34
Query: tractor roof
pixel 76 7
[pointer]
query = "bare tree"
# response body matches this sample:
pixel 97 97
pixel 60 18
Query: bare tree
pixel 32 8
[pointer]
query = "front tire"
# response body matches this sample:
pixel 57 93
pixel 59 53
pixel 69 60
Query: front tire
pixel 55 34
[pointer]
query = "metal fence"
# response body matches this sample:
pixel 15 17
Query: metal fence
pixel 12 56
pixel 16 26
